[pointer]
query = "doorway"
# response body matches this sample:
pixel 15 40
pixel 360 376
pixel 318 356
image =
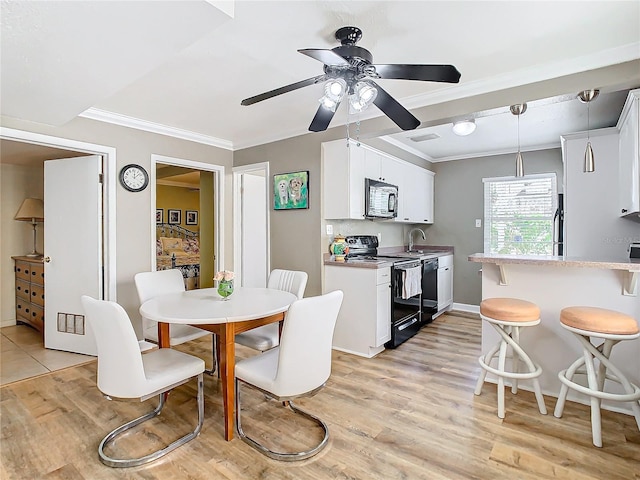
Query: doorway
pixel 187 197
pixel 251 224
pixel 28 152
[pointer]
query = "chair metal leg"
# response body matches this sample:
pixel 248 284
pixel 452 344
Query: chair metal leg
pixel 213 354
pixel 134 462
pixel 287 457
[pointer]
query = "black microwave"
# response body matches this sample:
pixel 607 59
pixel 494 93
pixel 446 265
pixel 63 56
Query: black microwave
pixel 380 199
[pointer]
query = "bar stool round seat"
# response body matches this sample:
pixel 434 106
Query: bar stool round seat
pixel 587 323
pixel 507 316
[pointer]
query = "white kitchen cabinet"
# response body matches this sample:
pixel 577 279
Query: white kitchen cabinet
pixel 417 201
pixel 344 170
pixel 382 167
pixel 445 282
pixel 629 156
pixel 343 180
pixel 364 321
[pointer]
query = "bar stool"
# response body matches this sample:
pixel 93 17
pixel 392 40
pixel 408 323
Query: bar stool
pixel 612 327
pixel 507 315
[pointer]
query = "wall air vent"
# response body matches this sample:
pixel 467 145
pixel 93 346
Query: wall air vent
pixel 425 137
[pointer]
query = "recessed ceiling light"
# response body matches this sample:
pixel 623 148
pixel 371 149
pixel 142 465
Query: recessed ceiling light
pixel 464 127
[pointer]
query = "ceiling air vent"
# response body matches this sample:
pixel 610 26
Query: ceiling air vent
pixel 424 138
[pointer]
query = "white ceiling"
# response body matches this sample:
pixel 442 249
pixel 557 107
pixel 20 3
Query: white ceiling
pixel 185 66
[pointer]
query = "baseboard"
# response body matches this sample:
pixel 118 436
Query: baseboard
pixel 7 323
pixel 463 307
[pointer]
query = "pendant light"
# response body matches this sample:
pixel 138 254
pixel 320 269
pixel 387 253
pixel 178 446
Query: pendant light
pixel 586 96
pixel 518 109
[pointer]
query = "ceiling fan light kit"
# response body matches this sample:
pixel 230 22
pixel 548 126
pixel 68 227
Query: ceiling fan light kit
pixel 518 109
pixel 349 69
pixel 587 96
pixel 463 128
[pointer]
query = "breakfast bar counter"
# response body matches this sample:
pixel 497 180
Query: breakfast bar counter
pixel 554 283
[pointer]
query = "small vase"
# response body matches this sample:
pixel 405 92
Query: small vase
pixel 339 248
pixel 225 288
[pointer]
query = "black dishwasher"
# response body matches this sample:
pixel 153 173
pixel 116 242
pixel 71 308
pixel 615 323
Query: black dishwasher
pixel 429 289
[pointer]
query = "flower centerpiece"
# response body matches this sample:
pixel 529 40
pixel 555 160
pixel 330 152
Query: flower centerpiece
pixel 225 283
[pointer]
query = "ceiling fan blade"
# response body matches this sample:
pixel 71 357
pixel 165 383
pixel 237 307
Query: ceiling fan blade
pixel 322 119
pixel 396 112
pixel 281 90
pixel 328 57
pixel 427 73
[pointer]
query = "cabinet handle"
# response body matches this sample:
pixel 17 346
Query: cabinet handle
pixel 624 210
pixel 406 218
pixel 46 260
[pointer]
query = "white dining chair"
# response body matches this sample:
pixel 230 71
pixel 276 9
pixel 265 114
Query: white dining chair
pixel 124 372
pixel 266 337
pixel 299 366
pixel 162 282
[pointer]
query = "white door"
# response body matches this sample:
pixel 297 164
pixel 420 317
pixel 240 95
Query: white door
pixel 252 225
pixel 73 212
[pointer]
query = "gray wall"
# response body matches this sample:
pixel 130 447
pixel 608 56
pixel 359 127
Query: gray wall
pixel 459 200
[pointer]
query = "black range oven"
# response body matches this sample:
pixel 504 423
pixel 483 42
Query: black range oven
pixel 406 288
pixel 406 301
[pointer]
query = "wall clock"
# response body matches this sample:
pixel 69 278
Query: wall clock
pixel 134 178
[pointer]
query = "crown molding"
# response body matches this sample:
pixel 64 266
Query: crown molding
pixel 160 129
pixel 492 153
pixel 406 148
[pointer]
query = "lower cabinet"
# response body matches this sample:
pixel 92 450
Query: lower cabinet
pixel 445 282
pixel 29 274
pixel 364 322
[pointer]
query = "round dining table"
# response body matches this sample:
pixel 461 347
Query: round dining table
pixel 245 309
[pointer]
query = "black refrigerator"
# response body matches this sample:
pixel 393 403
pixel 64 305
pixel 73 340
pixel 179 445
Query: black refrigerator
pixel 558 227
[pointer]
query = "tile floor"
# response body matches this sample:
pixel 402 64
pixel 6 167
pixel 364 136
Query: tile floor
pixel 22 355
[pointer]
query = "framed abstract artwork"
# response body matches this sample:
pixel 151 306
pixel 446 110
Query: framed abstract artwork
pixel 291 190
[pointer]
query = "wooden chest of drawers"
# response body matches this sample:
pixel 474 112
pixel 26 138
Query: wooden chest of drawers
pixel 30 291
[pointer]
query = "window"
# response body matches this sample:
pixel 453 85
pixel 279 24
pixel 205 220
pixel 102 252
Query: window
pixel 519 214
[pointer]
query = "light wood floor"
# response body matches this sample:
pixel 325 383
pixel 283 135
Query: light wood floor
pixel 409 413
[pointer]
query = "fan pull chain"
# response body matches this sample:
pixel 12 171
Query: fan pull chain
pixel 358 129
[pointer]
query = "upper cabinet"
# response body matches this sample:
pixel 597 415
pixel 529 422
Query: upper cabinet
pixel 343 180
pixel 629 153
pixel 416 206
pixel 344 169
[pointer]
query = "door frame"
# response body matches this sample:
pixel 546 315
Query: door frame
pixel 218 207
pixel 238 173
pixel 109 192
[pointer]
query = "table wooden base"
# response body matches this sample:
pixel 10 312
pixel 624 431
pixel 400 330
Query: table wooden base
pixel 227 354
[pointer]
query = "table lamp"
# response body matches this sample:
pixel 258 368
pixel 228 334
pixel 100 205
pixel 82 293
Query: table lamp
pixel 31 210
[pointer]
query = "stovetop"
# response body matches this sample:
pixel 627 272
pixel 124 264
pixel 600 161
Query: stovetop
pixel 365 248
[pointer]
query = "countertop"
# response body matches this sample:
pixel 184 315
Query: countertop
pixel 628 264
pixel 422 252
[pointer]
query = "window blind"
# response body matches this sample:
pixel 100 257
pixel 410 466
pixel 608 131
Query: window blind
pixel 518 214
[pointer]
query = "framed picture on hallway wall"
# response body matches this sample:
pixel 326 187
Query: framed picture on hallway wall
pixel 291 190
pixel 159 215
pixel 191 217
pixel 175 216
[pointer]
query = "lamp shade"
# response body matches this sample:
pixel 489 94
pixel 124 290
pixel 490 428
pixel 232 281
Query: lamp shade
pixel 31 208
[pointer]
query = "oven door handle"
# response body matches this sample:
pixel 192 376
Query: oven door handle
pixel 407 325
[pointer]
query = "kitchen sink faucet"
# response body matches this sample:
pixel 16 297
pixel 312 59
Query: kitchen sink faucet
pixel 410 249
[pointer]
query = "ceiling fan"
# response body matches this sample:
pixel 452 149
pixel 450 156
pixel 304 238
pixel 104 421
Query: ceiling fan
pixel 349 70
